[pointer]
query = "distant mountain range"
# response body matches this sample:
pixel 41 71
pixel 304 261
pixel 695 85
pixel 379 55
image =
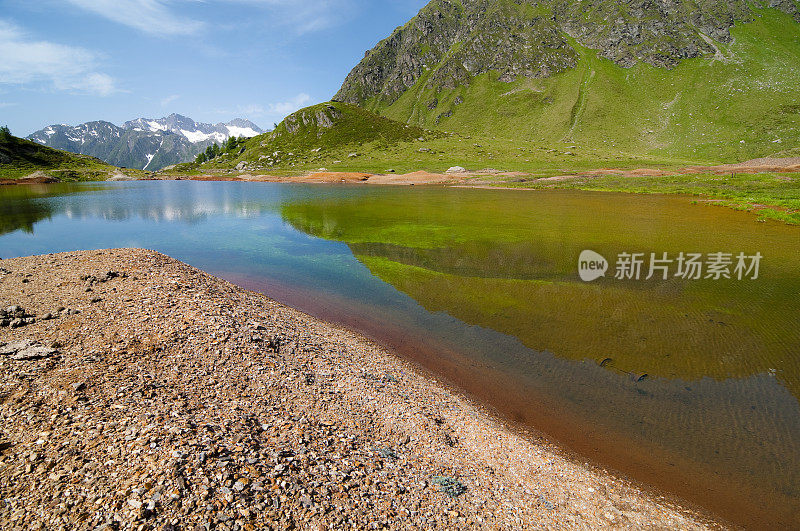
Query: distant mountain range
pixel 143 143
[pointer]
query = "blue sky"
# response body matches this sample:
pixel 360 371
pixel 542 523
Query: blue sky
pixel 73 61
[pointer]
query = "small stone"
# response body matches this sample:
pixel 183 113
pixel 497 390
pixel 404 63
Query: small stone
pixel 26 350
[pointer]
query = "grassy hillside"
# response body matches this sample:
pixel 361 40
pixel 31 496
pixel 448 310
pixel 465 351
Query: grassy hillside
pixel 327 134
pixel 343 137
pixel 19 157
pixel 740 104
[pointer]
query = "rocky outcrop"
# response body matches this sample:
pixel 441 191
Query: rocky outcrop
pixel 658 33
pixel 318 117
pixel 451 41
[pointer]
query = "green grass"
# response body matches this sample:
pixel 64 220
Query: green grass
pixel 19 157
pixel 703 110
pixel 321 135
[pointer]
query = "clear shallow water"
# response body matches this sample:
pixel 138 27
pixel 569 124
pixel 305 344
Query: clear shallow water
pixel 481 286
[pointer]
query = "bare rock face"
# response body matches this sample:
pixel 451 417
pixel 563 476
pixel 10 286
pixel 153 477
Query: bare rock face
pixel 26 350
pixel 451 41
pixel 455 169
pixel 456 42
pixel 321 119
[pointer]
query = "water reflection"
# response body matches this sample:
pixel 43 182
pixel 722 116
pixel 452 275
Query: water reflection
pixel 513 269
pixel 190 204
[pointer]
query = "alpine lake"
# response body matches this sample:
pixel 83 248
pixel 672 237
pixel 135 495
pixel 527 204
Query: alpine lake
pixel 687 385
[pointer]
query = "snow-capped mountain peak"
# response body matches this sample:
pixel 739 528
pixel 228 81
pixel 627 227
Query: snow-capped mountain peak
pixel 144 143
pixel 195 132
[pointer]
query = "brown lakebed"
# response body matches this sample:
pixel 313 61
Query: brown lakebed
pixel 481 288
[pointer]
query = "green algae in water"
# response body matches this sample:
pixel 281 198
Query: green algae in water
pixel 509 263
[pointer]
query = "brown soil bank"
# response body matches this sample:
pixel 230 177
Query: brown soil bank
pixel 164 398
pixel 37 177
pixel 332 177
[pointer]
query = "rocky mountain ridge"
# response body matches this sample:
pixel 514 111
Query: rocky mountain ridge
pixel 451 41
pixel 143 143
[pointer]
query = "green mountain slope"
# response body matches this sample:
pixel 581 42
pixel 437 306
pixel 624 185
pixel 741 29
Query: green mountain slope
pixel 699 81
pixel 320 134
pixel 19 157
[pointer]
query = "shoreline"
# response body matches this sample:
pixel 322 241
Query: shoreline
pixel 214 405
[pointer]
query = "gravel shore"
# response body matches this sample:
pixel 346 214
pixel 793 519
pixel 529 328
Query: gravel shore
pixel 155 396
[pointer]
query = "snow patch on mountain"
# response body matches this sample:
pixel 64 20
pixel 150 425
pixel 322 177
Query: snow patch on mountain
pixel 246 132
pixel 155 126
pixel 196 132
pixel 144 143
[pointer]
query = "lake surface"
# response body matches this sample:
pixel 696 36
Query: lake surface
pixel 689 385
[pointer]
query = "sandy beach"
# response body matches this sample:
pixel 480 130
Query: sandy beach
pixel 137 392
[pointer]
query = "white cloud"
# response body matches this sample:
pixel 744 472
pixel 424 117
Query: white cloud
pixel 164 18
pixel 169 99
pixel 272 111
pixel 305 16
pixel 4 104
pixel 68 68
pixel 149 16
pixel 288 107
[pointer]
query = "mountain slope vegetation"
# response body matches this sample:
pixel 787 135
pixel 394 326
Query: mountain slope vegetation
pixel 326 133
pixel 705 81
pixel 20 157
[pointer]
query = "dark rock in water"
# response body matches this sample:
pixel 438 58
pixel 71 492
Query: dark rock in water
pixel 604 362
pixel 636 377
